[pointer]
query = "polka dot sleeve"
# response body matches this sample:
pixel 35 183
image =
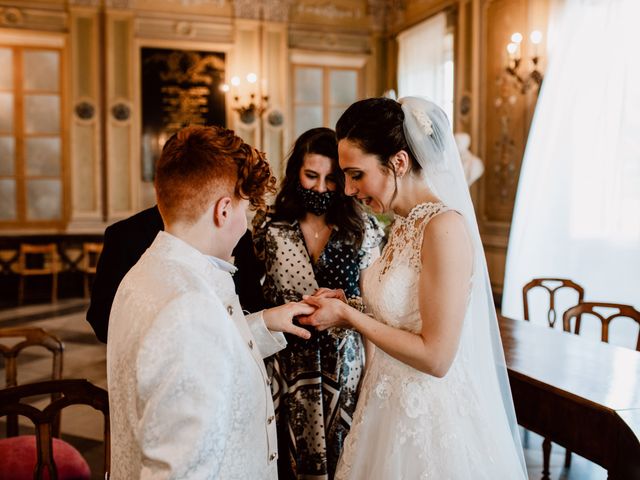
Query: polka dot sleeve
pixel 373 235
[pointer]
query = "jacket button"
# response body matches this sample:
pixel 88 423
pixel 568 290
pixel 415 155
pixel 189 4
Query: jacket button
pixel 270 419
pixel 230 310
pixel 273 456
pixel 251 344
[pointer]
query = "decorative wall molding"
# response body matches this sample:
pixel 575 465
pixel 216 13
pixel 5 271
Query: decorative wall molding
pixel 85 3
pixel 379 12
pixel 11 17
pixel 33 19
pixel 329 11
pixel 269 10
pixel 215 3
pixel 327 59
pixel 276 10
pixel 85 110
pixel 194 28
pixel 248 9
pixel 118 4
pixel 300 38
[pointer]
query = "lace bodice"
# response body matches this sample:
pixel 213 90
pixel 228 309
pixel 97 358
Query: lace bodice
pixel 397 270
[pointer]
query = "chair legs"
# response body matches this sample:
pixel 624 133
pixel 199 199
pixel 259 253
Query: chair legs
pixel 567 459
pixel 21 290
pixel 54 288
pixel 546 454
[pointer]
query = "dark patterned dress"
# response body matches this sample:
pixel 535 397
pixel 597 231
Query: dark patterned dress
pixel 314 382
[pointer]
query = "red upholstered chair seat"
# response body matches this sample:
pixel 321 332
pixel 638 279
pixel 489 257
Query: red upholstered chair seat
pixel 18 459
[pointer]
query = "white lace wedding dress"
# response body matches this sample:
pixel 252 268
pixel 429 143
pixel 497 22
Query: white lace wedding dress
pixel 407 424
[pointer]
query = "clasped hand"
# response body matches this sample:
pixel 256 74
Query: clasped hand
pixel 330 308
pixel 280 318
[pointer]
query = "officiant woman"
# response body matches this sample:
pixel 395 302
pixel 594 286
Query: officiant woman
pixel 315 237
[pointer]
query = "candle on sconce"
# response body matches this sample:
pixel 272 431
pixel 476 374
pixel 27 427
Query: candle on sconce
pixel 536 38
pixel 263 87
pixel 235 84
pixel 524 70
pixel 252 78
pixel 516 39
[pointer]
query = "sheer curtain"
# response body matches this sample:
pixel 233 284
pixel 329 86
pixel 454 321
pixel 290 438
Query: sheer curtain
pixel 425 62
pixel 577 212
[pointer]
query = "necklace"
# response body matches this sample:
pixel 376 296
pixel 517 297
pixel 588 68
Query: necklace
pixel 315 234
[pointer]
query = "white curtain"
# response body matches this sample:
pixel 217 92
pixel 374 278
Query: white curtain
pixel 425 62
pixel 577 212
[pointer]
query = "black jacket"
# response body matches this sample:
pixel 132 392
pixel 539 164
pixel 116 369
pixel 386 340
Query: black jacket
pixel 125 242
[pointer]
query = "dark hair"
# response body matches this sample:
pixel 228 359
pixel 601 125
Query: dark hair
pixel 200 162
pixel 375 125
pixel 345 212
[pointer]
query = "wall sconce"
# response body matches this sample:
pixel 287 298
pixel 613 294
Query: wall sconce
pixel 515 64
pixel 257 102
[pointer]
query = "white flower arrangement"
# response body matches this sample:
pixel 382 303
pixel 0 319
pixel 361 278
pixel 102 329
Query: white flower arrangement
pixel 423 120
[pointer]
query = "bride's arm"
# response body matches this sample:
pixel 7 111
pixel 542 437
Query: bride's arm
pixel 369 347
pixel 443 290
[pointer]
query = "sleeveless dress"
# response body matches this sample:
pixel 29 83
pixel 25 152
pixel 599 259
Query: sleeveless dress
pixel 408 424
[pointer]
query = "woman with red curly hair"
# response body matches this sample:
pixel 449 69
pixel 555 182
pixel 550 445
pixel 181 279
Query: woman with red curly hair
pixel 189 394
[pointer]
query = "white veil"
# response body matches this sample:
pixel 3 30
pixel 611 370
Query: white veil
pixel 431 140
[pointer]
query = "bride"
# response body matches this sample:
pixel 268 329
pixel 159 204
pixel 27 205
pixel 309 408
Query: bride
pixel 435 402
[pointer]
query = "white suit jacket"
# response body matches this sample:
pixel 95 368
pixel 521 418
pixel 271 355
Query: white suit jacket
pixel 188 392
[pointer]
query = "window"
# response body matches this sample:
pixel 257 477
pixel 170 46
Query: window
pixel 322 94
pixel 425 62
pixel 31 143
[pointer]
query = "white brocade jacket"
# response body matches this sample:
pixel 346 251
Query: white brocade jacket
pixel 188 392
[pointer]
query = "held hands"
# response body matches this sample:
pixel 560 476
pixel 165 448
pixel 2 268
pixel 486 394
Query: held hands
pixel 329 293
pixel 280 319
pixel 330 307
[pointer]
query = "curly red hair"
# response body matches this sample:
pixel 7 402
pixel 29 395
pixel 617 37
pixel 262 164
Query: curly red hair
pixel 199 164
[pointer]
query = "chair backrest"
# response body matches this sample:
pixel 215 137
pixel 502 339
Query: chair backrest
pixel 90 254
pixel 71 392
pixel 28 337
pixel 49 264
pixel 551 285
pixel 589 308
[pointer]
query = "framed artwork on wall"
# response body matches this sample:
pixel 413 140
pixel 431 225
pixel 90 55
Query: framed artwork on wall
pixel 179 88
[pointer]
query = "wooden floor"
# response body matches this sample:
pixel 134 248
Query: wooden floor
pixel 85 357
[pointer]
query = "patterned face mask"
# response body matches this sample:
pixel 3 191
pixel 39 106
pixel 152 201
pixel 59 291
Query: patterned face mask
pixel 315 202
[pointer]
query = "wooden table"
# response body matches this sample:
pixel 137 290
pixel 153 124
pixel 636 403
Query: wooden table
pixel 583 394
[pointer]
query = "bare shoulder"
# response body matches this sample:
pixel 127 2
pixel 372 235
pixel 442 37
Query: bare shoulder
pixel 449 224
pixel 447 233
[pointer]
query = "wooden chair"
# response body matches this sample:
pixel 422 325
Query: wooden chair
pixel 71 392
pixel 589 308
pixel 544 283
pixel 90 254
pixel 26 338
pixel 48 264
pixel 551 285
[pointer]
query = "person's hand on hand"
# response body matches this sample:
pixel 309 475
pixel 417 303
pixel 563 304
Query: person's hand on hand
pixel 330 293
pixel 280 319
pixel 329 312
